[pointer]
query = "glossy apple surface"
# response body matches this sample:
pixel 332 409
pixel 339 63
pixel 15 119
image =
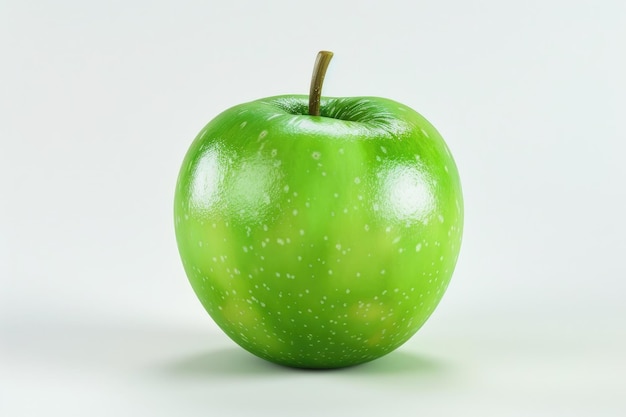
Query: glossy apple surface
pixel 319 241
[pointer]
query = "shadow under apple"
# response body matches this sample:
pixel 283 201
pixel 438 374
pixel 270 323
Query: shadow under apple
pixel 236 362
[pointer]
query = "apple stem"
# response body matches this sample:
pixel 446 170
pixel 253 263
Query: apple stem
pixel 317 80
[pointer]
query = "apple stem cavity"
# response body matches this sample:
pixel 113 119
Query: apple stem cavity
pixel 317 80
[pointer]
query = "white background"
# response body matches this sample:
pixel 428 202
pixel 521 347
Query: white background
pixel 100 100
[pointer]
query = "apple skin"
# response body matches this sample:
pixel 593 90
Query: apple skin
pixel 319 242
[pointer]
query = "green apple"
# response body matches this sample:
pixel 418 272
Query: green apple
pixel 319 241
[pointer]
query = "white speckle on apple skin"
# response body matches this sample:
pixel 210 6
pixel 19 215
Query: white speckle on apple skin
pixel 263 134
pixel 243 124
